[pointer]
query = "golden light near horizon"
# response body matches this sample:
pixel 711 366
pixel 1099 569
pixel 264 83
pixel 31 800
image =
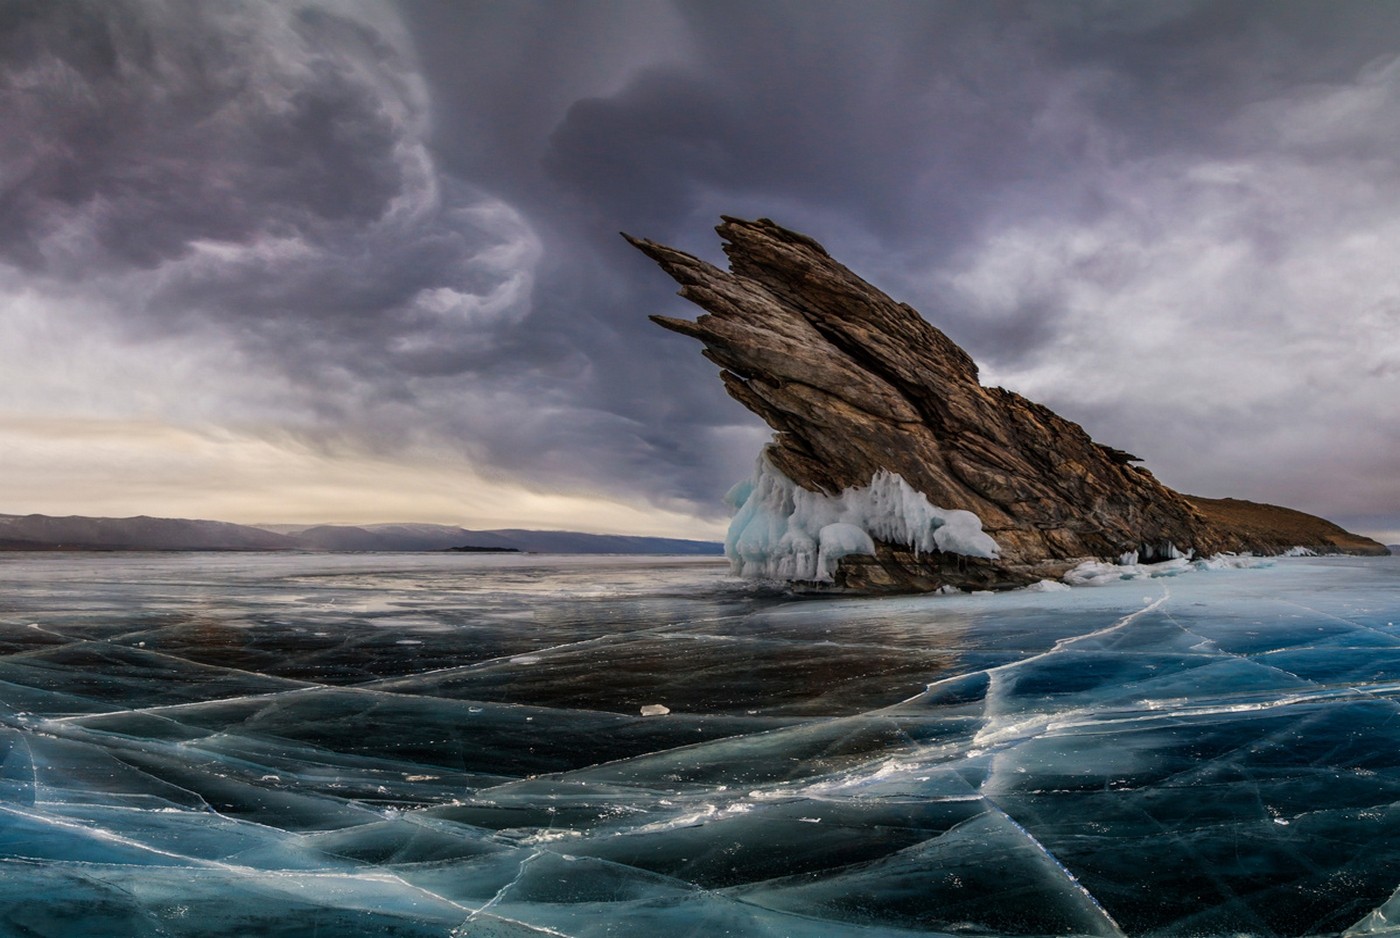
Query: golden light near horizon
pixel 68 466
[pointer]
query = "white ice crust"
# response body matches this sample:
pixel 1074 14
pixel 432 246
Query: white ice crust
pixel 1100 573
pixel 784 532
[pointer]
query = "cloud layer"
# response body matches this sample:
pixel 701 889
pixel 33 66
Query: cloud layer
pixel 387 232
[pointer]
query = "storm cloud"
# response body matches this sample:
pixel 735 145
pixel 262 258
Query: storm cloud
pixel 389 230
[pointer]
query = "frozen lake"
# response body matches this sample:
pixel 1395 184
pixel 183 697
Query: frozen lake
pixel 454 745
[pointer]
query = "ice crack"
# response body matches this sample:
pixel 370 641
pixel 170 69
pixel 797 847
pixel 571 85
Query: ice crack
pixel 1115 931
pixel 500 893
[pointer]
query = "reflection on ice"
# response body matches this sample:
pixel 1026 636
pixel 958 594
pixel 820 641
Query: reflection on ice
pixel 443 745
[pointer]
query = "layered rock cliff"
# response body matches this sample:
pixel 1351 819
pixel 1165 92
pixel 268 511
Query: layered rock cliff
pixel 855 383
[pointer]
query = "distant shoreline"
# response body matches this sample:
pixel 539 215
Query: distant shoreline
pixel 77 533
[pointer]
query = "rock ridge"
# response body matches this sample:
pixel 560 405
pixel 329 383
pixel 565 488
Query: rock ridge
pixel 853 382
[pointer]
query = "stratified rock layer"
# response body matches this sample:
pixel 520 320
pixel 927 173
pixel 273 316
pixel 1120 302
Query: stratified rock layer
pixel 854 382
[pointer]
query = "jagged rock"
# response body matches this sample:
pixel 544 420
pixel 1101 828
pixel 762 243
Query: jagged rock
pixel 854 382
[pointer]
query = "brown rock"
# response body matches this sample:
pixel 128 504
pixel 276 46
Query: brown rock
pixel 854 382
pixel 1268 529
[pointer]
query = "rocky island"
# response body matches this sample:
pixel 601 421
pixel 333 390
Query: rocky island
pixel 893 469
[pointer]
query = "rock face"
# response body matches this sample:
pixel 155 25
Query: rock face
pixel 1264 528
pixel 854 382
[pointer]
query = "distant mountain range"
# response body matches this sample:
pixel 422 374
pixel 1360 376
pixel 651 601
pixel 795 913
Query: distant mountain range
pixel 45 532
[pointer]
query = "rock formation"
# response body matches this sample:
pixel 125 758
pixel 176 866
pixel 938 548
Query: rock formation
pixel 854 382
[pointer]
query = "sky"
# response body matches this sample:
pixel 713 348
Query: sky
pixel 355 261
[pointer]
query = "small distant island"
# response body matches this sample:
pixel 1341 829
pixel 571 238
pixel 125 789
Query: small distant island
pixel 471 549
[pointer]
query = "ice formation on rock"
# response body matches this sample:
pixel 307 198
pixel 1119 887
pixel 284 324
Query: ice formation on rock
pixel 783 531
pixel 1154 553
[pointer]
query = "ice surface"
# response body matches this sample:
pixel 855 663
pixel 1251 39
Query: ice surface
pixel 784 532
pixel 243 745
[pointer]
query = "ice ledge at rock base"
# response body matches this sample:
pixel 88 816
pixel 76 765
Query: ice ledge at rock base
pixel 782 531
pixel 856 384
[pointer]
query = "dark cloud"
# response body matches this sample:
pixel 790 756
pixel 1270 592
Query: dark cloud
pixel 410 211
pixel 999 165
pixel 156 126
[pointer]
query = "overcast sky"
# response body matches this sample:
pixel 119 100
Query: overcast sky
pixel 305 261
